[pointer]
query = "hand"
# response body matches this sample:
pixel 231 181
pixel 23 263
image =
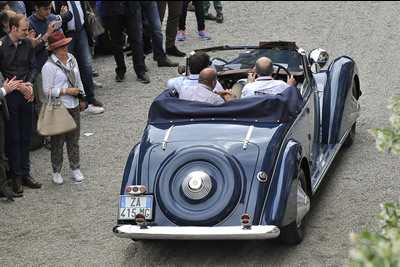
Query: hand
pixel 27 90
pixel 37 40
pixel 229 95
pixel 291 81
pixel 251 77
pixel 72 91
pixel 31 34
pixel 11 85
pixel 64 9
pixel 82 106
pixel 50 28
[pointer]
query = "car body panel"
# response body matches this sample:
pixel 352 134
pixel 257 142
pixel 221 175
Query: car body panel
pixel 246 154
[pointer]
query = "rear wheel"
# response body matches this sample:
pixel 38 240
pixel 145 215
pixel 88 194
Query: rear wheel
pixel 293 233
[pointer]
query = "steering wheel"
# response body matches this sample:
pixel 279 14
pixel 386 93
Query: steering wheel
pixel 279 68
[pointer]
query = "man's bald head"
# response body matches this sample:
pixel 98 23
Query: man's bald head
pixel 208 76
pixel 264 67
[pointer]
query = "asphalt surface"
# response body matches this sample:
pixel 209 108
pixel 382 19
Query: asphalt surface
pixel 71 224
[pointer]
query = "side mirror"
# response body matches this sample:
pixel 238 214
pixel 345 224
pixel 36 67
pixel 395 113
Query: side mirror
pixel 318 59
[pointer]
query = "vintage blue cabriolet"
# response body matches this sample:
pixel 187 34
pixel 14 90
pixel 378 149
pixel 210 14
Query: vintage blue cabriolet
pixel 245 169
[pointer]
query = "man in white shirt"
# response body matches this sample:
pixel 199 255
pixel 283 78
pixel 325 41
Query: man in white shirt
pixel 203 91
pixel 197 63
pixel 265 84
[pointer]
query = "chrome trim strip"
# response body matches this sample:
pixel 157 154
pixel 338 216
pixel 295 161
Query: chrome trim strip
pixel 248 136
pixel 333 152
pixel 164 143
pixel 197 233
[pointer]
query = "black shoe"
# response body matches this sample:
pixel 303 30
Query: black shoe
pixel 220 17
pixel 167 63
pixel 120 78
pixel 173 51
pixel 209 17
pixel 95 73
pixel 143 78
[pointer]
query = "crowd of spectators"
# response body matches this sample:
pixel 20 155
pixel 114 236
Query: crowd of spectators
pixel 31 30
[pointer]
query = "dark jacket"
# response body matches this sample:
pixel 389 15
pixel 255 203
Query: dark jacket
pixel 113 8
pixel 59 4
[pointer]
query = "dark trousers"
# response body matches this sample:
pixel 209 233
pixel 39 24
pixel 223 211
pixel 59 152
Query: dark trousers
pixel 174 13
pixel 18 134
pixel 3 176
pixel 199 11
pixel 132 24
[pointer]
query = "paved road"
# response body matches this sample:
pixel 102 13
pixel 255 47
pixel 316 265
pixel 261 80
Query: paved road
pixel 70 225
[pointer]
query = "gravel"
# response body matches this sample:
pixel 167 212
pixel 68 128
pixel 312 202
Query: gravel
pixel 71 224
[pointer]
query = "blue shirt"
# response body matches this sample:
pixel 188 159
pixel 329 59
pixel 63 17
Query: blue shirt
pixel 40 27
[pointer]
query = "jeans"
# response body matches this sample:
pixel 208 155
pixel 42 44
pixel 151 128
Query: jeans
pixel 79 47
pixel 150 10
pixel 133 26
pixel 217 6
pixel 18 134
pixel 199 11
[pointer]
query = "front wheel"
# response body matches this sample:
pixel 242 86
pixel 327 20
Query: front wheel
pixel 293 233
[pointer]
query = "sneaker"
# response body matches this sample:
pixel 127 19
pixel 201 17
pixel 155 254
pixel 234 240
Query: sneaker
pixel 181 36
pixel 95 73
pixel 78 175
pixel 97 84
pixel 57 178
pixel 92 110
pixel 204 34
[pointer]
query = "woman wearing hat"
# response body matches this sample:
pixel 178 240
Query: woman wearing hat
pixel 61 75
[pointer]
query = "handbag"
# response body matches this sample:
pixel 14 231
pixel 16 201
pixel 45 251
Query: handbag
pixel 95 25
pixel 54 118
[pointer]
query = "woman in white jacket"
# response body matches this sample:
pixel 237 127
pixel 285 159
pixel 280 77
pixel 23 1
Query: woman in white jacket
pixel 61 75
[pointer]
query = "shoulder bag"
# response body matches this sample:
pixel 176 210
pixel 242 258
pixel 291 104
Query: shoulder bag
pixel 95 25
pixel 54 118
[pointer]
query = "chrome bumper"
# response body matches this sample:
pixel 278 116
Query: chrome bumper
pixel 196 233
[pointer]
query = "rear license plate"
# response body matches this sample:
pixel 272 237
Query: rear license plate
pixel 131 205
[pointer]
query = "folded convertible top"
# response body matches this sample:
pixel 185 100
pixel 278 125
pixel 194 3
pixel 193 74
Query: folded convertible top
pixel 280 108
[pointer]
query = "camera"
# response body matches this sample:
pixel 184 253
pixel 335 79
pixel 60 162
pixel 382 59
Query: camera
pixel 81 96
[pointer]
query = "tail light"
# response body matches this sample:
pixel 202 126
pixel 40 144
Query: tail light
pixel 245 221
pixel 141 221
pixel 135 189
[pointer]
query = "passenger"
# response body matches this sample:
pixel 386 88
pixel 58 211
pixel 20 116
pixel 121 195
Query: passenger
pixel 203 91
pixel 265 84
pixel 197 63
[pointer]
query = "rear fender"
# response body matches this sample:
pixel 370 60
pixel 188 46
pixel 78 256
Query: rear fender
pixel 130 168
pixel 281 186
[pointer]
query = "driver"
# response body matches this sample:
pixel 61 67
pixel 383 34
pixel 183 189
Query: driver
pixel 265 84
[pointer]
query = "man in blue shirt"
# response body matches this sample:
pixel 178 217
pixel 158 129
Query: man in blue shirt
pixel 43 23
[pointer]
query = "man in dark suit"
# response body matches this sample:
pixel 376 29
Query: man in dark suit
pixel 17 58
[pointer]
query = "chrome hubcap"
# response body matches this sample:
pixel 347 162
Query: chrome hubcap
pixel 197 185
